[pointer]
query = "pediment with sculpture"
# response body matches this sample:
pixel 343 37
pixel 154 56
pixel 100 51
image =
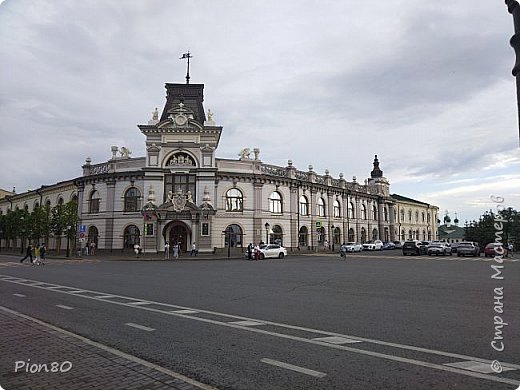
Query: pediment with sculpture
pixel 181 159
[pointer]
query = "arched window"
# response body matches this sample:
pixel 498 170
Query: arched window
pixel 375 236
pixel 336 236
pixel 351 235
pixel 423 218
pixel 336 209
pixel 363 235
pixel 93 235
pixel 385 214
pixel 131 236
pixel 410 236
pixel 276 236
pixel 275 202
pixel 93 202
pixel 321 235
pixel 363 211
pixel 374 212
pixel 60 201
pixel 351 210
pixel 304 205
pixel 409 215
pixel 428 218
pixel 320 210
pixel 417 234
pixel 234 200
pixel 132 196
pixel 402 215
pixel 303 236
pixel 233 236
pixel 424 234
pixel 416 216
pixel 74 198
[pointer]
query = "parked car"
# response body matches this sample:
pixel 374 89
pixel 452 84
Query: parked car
pixel 353 247
pixel 272 250
pixel 423 246
pixel 438 248
pixel 454 246
pixel 468 249
pixel 411 248
pixel 398 244
pixel 373 245
pixel 490 250
pixel 388 245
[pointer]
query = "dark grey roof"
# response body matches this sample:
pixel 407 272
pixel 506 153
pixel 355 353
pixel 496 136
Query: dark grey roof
pixel 405 199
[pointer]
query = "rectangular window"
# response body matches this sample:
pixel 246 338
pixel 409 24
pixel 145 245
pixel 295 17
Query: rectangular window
pixel 94 206
pixel 205 229
pixel 149 229
pixel 179 182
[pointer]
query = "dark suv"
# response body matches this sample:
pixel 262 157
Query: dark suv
pixel 411 248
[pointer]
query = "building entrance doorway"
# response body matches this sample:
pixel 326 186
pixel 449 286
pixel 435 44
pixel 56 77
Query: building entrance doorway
pixel 179 234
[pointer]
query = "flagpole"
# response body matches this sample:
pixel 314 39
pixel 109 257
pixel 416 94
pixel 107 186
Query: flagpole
pixel 188 73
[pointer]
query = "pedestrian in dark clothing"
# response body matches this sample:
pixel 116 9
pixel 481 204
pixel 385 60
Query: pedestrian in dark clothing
pixel 28 254
pixel 43 251
pixel 250 251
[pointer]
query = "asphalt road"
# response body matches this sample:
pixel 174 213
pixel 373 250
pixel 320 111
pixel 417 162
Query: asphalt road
pixel 374 321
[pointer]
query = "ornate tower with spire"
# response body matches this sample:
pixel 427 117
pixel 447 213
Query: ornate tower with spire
pixel 377 182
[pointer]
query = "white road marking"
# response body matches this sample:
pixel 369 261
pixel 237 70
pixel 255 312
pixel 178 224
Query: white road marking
pixel 138 303
pixel 337 340
pixel 105 296
pixel 19 295
pixel 246 323
pixel 77 291
pixel 292 367
pixel 483 368
pixel 184 311
pixel 137 326
pixel 114 351
pixel 181 312
pixel 65 307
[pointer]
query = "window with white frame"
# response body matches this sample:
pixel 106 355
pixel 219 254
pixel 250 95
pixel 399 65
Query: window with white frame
pixel 336 209
pixel 304 205
pixel 320 210
pixel 234 200
pixel 275 202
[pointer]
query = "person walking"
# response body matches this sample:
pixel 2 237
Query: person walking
pixel 510 249
pixel 250 251
pixel 37 255
pixel 28 254
pixel 193 249
pixel 43 252
pixel 175 251
pixel 167 250
pixel 136 249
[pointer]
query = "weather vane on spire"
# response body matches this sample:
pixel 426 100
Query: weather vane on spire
pixel 188 56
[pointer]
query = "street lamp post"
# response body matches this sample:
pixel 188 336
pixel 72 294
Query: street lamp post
pixel 267 232
pixel 333 237
pixel 68 240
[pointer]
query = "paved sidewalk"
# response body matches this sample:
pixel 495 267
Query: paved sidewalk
pixel 87 364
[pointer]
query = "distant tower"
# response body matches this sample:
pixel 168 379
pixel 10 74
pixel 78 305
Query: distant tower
pixel 378 181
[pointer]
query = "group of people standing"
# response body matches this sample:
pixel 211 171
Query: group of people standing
pixel 253 251
pixel 36 254
pixel 176 250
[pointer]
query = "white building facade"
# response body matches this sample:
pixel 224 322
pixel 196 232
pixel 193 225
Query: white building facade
pixel 181 192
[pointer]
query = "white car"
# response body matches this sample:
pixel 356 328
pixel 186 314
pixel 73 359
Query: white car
pixel 353 247
pixel 272 250
pixel 375 245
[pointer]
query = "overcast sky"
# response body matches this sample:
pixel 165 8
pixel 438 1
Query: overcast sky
pixel 425 85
